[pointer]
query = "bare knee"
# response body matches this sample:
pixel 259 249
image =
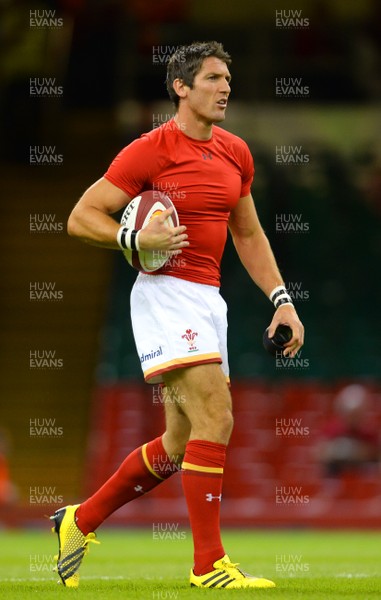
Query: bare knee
pixel 215 424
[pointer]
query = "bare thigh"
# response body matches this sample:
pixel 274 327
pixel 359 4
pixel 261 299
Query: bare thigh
pixel 204 398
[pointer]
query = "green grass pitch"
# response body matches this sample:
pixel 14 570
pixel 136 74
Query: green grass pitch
pixel 305 565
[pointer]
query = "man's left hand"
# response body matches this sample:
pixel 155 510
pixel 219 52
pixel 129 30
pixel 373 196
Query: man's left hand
pixel 286 314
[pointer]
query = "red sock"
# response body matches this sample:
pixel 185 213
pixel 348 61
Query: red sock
pixel 202 475
pixel 141 471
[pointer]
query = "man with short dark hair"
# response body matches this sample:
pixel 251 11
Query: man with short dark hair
pixel 211 171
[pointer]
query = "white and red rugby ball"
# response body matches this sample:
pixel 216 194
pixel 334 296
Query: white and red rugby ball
pixel 137 214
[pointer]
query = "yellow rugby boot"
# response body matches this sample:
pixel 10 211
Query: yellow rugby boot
pixel 227 575
pixel 73 545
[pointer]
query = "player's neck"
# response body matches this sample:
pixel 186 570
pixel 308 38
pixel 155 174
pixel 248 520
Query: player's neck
pixel 193 127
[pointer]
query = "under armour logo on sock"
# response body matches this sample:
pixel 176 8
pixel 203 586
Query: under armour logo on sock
pixel 210 497
pixel 138 488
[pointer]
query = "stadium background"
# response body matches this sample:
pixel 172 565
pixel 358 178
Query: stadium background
pixel 67 426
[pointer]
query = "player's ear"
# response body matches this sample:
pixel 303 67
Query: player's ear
pixel 180 87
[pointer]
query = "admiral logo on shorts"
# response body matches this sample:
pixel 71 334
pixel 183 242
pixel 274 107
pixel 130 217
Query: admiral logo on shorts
pixel 152 354
pixel 189 337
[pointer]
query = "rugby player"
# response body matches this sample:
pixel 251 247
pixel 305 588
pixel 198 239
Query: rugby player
pixel 179 308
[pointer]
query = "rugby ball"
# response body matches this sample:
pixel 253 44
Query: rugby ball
pixel 137 214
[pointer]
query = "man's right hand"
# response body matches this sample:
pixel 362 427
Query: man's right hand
pixel 157 235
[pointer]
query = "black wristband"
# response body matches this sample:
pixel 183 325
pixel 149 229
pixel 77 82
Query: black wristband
pixel 133 239
pixel 121 237
pixel 128 238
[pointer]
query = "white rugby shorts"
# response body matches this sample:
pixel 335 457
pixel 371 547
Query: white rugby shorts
pixel 177 323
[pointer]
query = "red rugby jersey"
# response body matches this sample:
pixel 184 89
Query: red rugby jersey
pixel 204 180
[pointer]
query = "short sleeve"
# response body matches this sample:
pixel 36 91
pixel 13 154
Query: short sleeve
pixel 247 170
pixel 131 169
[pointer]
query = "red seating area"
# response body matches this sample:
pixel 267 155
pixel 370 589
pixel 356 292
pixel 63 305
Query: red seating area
pixel 272 477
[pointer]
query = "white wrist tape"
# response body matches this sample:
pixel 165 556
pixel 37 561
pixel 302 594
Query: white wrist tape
pixel 128 238
pixel 280 296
